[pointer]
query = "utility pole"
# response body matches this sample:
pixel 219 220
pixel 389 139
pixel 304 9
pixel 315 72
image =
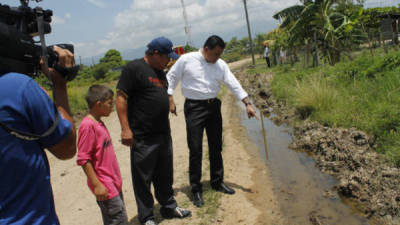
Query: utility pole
pixel 248 30
pixel 188 31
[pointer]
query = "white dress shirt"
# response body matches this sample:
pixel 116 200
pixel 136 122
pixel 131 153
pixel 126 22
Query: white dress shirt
pixel 200 79
pixel 266 52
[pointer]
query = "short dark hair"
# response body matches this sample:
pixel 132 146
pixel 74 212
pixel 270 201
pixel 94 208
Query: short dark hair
pixel 149 51
pixel 96 93
pixel 214 41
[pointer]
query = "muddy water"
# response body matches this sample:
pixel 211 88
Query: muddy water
pixel 305 193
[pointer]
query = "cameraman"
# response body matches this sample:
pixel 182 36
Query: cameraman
pixel 25 191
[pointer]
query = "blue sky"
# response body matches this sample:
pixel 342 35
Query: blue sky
pixel 95 26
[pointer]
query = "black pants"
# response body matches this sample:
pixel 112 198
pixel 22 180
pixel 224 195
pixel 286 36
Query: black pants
pixel 268 63
pixel 151 161
pixel 200 115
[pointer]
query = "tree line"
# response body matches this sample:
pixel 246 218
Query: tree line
pixel 327 29
pixel 321 31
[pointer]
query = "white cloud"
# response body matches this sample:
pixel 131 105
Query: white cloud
pixel 60 20
pixel 97 3
pixel 147 19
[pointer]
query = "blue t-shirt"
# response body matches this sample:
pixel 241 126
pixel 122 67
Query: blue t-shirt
pixel 25 191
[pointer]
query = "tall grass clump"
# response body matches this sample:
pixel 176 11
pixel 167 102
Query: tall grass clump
pixel 313 95
pixel 76 96
pixel 363 93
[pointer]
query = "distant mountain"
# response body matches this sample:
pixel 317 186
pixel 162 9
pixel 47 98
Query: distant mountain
pixel 127 54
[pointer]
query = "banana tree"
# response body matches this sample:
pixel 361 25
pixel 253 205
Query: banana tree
pixel 340 32
pixel 318 23
pixel 295 39
pixel 299 20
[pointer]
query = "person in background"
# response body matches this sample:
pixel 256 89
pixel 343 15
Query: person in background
pixel 266 52
pixel 202 74
pixel 143 109
pixel 97 157
pixel 282 56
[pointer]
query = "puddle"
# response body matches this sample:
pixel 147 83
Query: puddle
pixel 301 188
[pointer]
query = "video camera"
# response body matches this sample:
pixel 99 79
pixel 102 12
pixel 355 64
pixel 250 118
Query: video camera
pixel 19 52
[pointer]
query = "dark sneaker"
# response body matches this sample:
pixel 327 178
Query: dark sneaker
pixel 174 213
pixel 198 199
pixel 224 189
pixel 150 222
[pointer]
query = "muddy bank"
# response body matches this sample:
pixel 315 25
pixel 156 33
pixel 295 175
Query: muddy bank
pixel 370 184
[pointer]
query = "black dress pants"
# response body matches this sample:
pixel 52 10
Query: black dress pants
pixel 267 60
pixel 151 161
pixel 200 115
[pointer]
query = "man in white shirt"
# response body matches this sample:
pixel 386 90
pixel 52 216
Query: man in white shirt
pixel 266 51
pixel 202 74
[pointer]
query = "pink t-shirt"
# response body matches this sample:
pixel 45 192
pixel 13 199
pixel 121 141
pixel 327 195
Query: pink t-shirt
pixel 94 145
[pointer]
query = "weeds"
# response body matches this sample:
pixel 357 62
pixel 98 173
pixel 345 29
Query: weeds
pixel 363 93
pixel 313 94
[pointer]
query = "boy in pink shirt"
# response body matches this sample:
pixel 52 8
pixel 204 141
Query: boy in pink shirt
pixel 97 157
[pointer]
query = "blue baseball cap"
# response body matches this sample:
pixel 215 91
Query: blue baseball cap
pixel 164 46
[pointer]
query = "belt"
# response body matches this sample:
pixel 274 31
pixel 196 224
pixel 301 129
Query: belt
pixel 210 100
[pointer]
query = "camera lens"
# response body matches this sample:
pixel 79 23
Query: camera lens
pixel 47 14
pixel 32 28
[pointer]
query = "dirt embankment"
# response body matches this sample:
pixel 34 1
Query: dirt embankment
pixel 347 154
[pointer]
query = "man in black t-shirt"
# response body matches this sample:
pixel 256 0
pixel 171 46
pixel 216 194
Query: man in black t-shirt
pixel 143 107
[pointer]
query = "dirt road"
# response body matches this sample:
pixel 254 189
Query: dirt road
pixel 253 203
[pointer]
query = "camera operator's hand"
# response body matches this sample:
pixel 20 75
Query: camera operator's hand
pixel 65 59
pixel 67 147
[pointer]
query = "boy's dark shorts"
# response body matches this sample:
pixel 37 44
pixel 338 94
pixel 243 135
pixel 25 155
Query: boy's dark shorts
pixel 113 211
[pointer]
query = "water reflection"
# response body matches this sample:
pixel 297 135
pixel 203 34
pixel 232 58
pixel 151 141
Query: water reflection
pixel 303 191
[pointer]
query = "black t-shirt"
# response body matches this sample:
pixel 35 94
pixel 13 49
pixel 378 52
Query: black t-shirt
pixel 148 103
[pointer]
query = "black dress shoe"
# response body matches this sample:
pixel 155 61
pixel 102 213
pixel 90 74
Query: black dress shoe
pixel 222 187
pixel 198 199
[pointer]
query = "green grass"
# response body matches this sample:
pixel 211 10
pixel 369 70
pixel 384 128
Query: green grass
pixel 208 212
pixel 313 94
pixel 363 93
pixel 259 67
pixel 77 92
pixel 76 97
